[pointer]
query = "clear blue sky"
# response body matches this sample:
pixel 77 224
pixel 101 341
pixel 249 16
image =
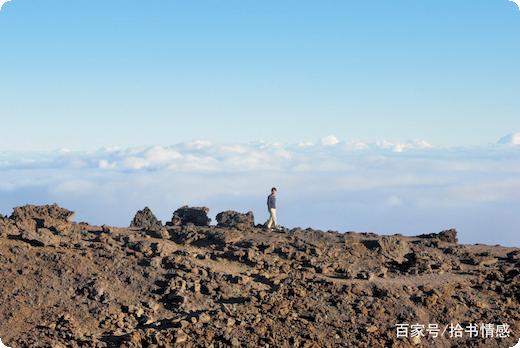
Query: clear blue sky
pixel 89 73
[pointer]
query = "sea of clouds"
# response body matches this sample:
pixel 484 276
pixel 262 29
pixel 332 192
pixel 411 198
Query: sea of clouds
pixel 382 187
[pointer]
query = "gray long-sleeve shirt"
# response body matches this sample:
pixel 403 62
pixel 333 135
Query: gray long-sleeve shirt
pixel 271 202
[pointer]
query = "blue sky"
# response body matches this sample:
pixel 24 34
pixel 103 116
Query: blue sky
pixel 84 74
pixel 381 116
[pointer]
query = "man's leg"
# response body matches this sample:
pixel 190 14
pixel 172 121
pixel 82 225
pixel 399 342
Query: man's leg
pixel 273 217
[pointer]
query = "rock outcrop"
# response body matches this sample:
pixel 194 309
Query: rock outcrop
pixel 449 236
pixel 32 217
pixel 190 215
pixel 391 247
pixel 146 220
pixel 41 237
pixel 219 286
pixel 233 219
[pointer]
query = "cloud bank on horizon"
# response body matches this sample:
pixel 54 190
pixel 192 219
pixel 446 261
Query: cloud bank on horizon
pixel 510 139
pixel 204 156
pixel 384 187
pixel 2 3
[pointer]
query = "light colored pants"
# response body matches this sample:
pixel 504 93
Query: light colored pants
pixel 272 218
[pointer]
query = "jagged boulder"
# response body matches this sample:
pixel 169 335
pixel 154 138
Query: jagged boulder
pixel 146 220
pixel 33 217
pixel 393 248
pixel 7 227
pixel 3 225
pixel 43 237
pixel 233 219
pixel 194 215
pixel 449 236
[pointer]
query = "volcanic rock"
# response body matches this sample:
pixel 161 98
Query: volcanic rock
pixel 233 219
pixel 194 215
pixel 43 237
pixel 449 236
pixel 393 248
pixel 31 217
pixel 7 227
pixel 146 220
pixel 222 286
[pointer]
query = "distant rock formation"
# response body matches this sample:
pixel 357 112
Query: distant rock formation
pixel 446 236
pixel 233 219
pixel 32 217
pixel 146 220
pixel 190 215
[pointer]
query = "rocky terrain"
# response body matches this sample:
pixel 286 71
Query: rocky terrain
pixel 189 284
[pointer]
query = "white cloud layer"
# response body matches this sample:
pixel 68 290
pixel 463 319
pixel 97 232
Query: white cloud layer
pixel 202 156
pixel 517 2
pixel 384 187
pixel 511 139
pixel 329 140
pixel 2 3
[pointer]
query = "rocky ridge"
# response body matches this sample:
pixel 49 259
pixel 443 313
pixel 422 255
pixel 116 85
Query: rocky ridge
pixel 189 284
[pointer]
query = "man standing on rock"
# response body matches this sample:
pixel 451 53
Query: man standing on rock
pixel 271 207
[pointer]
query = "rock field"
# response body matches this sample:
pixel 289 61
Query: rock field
pixel 191 284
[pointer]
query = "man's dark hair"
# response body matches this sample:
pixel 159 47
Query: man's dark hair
pixel 274 189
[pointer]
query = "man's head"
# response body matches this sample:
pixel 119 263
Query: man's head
pixel 273 191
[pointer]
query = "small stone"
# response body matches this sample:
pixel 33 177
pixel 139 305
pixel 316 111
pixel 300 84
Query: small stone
pixel 181 337
pixel 488 261
pixel 139 312
pixel 196 287
pixel 371 329
pixel 204 318
pixel 416 340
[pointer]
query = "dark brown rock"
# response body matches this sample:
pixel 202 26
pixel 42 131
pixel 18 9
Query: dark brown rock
pixel 146 220
pixel 393 248
pixel 449 236
pixel 194 215
pixel 43 237
pixel 7 227
pixel 233 219
pixel 31 217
